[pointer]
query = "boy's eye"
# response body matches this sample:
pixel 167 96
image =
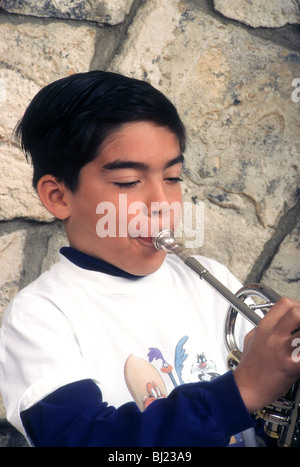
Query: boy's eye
pixel 126 184
pixel 132 184
pixel 174 179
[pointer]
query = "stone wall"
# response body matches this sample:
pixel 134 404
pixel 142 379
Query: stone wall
pixel 232 69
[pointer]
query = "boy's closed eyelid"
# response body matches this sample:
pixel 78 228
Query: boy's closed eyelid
pixel 174 179
pixel 133 183
pixel 123 177
pixel 128 184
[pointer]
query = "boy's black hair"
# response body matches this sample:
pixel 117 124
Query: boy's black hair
pixel 68 120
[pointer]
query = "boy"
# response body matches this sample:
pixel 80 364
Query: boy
pixel 97 349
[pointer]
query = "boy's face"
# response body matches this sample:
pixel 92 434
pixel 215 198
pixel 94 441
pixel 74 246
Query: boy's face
pixel 140 163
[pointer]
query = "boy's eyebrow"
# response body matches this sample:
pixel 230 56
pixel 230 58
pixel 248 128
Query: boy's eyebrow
pixel 177 160
pixel 120 164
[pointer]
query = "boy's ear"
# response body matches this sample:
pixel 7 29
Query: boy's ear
pixel 54 196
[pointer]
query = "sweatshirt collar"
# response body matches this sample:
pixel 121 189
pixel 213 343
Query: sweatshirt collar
pixel 91 263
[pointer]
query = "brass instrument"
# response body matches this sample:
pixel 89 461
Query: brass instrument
pixel 282 418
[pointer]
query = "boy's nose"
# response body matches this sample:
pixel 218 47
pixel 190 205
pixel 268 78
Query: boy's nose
pixel 158 202
pixel 165 213
pixel 159 209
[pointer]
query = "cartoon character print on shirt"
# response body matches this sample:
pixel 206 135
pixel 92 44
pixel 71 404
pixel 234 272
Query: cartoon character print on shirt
pixel 143 381
pixel 205 369
pixel 146 384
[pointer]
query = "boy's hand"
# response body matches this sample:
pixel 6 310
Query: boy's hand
pixel 268 367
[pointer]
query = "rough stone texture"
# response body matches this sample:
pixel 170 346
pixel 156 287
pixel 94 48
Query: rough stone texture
pixel 11 246
pixel 102 11
pixel 11 259
pixel 256 13
pixel 233 91
pixel 30 58
pixel 44 53
pixel 284 272
pixel 232 84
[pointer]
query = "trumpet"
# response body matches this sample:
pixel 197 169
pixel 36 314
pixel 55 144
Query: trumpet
pixel 282 418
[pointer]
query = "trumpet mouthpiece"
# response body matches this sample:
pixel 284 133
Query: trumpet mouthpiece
pixel 163 240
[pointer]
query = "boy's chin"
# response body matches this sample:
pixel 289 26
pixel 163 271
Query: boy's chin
pixel 147 267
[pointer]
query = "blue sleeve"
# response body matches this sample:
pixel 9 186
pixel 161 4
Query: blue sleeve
pixel 196 414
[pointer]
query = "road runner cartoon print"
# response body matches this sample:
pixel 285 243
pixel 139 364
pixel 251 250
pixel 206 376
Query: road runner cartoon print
pixel 147 383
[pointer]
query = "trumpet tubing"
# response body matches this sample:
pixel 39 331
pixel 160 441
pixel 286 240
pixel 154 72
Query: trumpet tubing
pixel 282 418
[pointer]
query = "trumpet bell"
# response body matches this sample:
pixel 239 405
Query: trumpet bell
pixel 248 294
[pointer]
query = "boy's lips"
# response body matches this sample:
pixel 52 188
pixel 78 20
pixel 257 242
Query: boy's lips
pixel 146 240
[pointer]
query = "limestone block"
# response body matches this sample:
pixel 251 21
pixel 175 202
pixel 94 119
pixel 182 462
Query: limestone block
pixel 16 93
pixel 153 28
pixel 283 274
pixel 233 91
pixel 32 57
pixel 56 242
pixel 44 53
pixel 102 11
pixel 17 197
pixel 260 13
pixel 232 239
pixel 11 260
